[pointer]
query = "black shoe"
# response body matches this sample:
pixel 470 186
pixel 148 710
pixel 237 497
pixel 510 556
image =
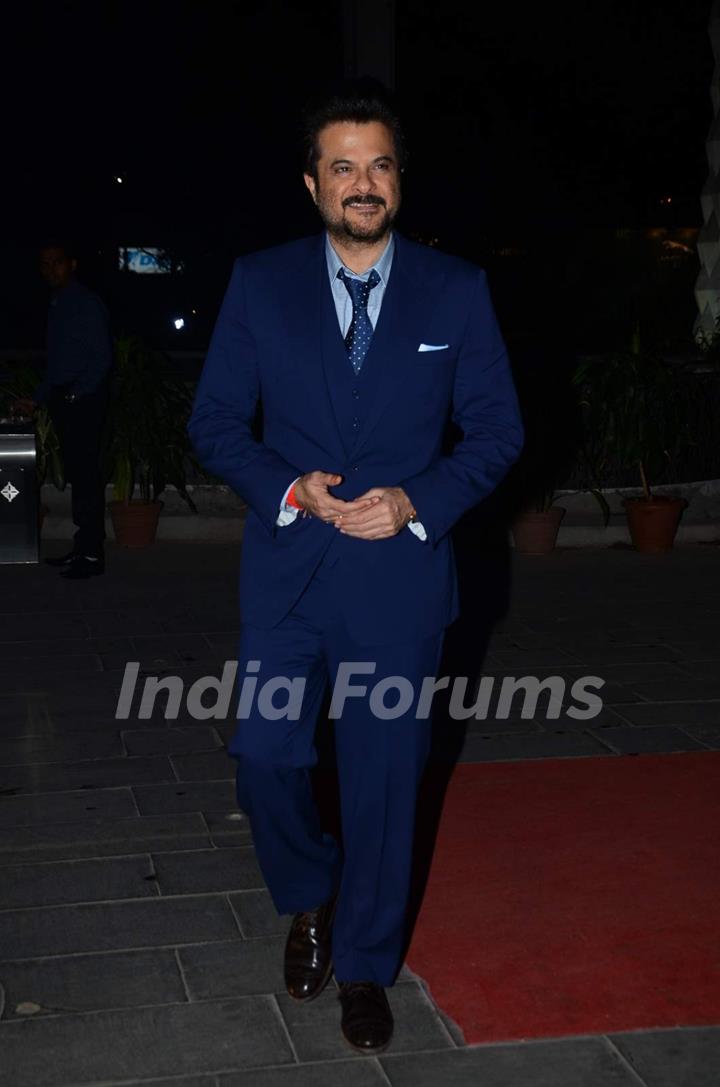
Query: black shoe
pixel 83 567
pixel 367 1022
pixel 63 560
pixel 308 952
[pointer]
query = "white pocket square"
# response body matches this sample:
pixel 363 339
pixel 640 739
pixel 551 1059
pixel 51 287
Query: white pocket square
pixel 433 347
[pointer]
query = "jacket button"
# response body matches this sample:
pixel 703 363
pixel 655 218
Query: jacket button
pixel 355 468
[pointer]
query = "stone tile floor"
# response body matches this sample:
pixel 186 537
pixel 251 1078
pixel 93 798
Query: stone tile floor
pixel 137 943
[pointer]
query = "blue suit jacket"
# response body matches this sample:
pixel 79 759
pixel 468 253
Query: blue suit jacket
pixel 277 339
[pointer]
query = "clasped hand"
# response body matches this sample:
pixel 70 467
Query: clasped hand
pixel 377 514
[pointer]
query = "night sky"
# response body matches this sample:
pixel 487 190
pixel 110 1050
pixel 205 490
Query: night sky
pixel 522 120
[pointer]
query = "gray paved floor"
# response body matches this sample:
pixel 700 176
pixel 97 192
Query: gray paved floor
pixel 137 944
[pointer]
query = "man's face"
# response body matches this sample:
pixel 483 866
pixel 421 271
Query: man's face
pixel 56 267
pixel 357 191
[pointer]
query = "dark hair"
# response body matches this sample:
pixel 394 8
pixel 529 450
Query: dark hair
pixel 361 102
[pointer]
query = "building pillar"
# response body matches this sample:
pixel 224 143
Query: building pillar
pixel 707 285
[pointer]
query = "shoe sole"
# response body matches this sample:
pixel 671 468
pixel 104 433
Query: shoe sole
pixel 364 1049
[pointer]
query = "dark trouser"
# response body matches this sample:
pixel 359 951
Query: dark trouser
pixel 379 766
pixel 79 426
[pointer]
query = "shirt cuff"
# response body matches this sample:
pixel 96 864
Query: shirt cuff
pixel 418 529
pixel 287 513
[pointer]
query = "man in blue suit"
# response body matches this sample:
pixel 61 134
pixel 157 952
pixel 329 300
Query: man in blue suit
pixel 361 345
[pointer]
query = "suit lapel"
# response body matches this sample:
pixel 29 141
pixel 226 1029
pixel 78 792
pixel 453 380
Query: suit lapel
pixel 334 352
pixel 305 312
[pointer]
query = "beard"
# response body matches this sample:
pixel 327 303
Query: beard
pixel 343 229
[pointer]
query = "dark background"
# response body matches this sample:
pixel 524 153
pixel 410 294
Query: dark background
pixel 545 142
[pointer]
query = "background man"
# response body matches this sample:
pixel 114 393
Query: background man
pixel 75 389
pixel 361 345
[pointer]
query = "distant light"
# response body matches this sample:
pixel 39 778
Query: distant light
pixel 193 311
pixel 666 199
pixel 119 179
pixel 179 323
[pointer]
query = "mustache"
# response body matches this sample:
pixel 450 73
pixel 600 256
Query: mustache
pixel 364 200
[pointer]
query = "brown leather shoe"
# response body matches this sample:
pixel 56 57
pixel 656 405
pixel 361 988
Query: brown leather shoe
pixel 308 952
pixel 367 1022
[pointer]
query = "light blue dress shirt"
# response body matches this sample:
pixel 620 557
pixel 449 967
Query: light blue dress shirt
pixel 341 295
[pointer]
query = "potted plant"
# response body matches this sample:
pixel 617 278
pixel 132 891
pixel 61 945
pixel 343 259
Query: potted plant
pixel 146 445
pixel 634 418
pixel 21 385
pixel 535 527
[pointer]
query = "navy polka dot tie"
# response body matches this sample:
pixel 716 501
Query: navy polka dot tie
pixel 358 336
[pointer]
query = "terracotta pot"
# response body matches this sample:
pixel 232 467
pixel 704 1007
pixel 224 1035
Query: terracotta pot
pixel 536 533
pixel 135 523
pixel 653 524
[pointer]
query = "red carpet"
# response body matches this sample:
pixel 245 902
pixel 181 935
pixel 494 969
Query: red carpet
pixel 575 897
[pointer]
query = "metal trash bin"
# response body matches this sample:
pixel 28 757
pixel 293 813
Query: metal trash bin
pixel 18 492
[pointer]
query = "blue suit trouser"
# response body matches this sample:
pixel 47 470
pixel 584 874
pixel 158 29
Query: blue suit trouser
pixel 379 761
